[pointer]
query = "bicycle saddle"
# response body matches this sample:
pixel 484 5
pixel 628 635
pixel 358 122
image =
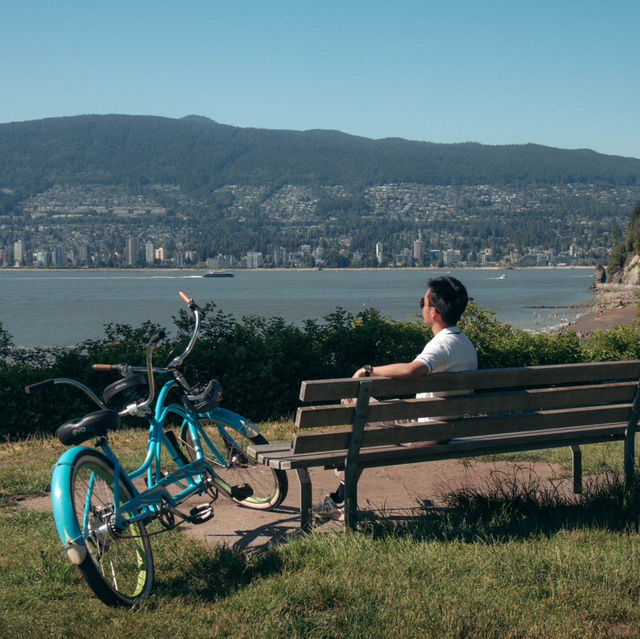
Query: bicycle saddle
pixel 92 425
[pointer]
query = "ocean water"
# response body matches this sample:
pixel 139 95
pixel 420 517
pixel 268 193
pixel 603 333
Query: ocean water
pixel 45 308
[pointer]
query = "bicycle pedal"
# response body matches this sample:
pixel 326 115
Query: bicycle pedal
pixel 241 492
pixel 201 513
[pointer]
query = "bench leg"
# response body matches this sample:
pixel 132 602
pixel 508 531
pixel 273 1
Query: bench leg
pixel 351 498
pixel 305 499
pixel 577 469
pixel 629 456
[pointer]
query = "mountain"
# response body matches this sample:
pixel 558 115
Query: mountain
pixel 201 155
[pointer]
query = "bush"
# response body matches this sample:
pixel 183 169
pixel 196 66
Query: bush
pixel 261 362
pixel 622 342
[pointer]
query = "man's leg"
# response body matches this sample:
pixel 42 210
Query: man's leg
pixel 332 507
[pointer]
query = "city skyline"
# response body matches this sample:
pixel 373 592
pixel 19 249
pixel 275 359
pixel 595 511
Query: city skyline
pixel 105 226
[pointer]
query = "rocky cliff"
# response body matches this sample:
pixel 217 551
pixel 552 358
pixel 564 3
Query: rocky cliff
pixel 630 273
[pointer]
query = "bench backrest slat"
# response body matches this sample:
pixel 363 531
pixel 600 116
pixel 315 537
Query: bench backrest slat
pixel 332 390
pixel 385 434
pixel 472 404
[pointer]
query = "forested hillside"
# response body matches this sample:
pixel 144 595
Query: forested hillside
pixel 202 155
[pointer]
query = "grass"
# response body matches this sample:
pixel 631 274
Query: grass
pixel 518 561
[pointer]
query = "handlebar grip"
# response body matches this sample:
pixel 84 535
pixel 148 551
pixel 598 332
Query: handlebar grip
pixel 38 386
pixel 106 367
pixel 193 307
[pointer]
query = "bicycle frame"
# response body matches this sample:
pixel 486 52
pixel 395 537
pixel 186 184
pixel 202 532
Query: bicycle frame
pixel 192 478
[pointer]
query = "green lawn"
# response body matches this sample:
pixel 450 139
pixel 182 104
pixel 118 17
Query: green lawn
pixel 513 566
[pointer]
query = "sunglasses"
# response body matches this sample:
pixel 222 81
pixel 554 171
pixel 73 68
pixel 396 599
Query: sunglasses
pixel 422 302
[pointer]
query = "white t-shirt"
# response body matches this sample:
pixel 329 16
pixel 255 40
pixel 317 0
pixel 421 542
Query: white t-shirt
pixel 450 350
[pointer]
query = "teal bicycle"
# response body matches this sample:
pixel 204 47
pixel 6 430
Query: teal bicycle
pixel 102 512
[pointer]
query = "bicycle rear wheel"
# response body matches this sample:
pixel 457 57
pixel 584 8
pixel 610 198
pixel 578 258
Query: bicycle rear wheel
pixel 119 563
pixel 268 486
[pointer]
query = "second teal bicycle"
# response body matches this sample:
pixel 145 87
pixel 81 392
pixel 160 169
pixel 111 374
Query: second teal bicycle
pixel 102 512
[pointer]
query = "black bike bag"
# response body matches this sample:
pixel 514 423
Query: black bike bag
pixel 130 390
pixel 92 425
pixel 205 397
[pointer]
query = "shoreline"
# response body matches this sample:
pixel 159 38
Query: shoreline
pixel 612 304
pixel 201 269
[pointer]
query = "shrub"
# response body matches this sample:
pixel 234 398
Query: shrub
pixel 261 362
pixel 619 343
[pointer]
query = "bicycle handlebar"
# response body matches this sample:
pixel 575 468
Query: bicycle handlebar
pixel 64 380
pixel 126 369
pixel 174 364
pixel 38 386
pixel 198 315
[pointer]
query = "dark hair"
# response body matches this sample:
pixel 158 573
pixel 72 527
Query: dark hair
pixel 449 297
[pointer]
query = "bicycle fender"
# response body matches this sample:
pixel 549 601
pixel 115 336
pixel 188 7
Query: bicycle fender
pixel 63 515
pixel 237 422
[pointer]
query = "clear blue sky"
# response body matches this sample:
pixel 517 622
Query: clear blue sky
pixel 563 73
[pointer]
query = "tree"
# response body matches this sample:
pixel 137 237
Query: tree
pixel 631 244
pixel 6 343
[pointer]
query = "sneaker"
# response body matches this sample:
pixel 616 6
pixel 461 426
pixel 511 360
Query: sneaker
pixel 329 509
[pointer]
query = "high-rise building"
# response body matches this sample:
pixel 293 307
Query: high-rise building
pixel 279 256
pixel 7 256
pixel 57 257
pixel 254 259
pixel 131 251
pixel 418 251
pixel 19 255
pixel 83 254
pixel 149 253
pixel 42 258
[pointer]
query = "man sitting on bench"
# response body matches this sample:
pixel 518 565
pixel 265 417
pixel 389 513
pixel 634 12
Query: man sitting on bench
pixel 449 350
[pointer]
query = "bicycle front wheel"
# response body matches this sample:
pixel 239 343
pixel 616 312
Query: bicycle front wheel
pixel 119 563
pixel 268 486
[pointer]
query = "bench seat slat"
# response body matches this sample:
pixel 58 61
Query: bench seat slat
pixel 384 434
pixel 336 389
pixel 500 444
pixel 473 403
pixel 280 456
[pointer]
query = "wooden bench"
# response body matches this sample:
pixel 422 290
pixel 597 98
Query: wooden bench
pixel 475 413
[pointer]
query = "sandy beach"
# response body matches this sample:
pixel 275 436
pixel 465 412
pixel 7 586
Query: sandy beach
pixel 612 304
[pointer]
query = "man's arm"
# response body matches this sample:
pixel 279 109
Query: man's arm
pixel 405 370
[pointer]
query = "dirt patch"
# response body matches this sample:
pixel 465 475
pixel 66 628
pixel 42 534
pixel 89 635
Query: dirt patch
pixel 396 491
pixel 39 504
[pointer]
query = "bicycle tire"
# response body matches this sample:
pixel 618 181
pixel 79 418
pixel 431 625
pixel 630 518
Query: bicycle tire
pixel 269 486
pixel 118 566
